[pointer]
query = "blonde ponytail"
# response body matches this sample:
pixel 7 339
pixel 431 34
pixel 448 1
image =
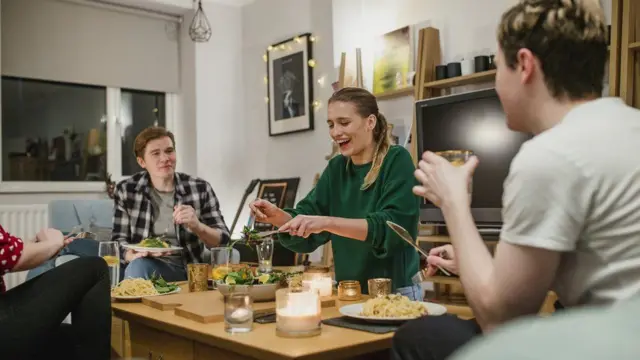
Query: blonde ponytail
pixel 382 138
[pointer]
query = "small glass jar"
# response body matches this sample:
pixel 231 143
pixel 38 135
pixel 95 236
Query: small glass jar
pixel 349 290
pixel 318 278
pixel 238 312
pixel 298 312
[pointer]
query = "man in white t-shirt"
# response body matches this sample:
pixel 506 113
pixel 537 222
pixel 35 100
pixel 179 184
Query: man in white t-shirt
pixel 571 205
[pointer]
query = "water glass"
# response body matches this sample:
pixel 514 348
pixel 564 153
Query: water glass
pixel 221 256
pixel 110 252
pixel 238 312
pixel 458 158
pixel 264 248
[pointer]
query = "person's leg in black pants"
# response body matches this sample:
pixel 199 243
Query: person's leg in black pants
pixel 432 337
pixel 31 314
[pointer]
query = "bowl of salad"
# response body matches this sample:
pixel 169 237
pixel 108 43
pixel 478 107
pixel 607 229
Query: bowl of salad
pixel 261 287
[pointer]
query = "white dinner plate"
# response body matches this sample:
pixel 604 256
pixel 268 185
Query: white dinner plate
pixel 355 311
pixel 152 250
pixel 140 297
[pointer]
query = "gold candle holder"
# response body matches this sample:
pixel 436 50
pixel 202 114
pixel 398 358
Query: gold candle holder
pixel 349 290
pixel 198 276
pixel 379 287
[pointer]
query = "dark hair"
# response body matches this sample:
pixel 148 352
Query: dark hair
pixel 569 37
pixel 366 104
pixel 149 134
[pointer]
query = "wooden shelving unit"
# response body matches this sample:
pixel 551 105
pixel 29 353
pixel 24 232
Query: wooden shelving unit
pixel 626 21
pixel 395 93
pixel 480 77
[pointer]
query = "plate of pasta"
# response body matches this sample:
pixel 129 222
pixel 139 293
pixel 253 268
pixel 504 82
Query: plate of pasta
pixel 391 308
pixel 138 288
pixel 152 244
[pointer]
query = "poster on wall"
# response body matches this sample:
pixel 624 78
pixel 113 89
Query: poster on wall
pixel 290 90
pixel 392 61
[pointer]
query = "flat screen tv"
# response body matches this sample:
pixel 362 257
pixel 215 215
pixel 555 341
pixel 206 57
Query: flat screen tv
pixel 470 121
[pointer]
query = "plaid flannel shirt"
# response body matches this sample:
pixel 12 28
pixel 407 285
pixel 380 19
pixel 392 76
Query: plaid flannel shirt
pixel 133 213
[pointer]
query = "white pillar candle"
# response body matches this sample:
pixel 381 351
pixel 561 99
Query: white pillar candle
pixel 301 313
pixel 324 285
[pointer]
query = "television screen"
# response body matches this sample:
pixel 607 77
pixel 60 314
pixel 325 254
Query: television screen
pixel 471 121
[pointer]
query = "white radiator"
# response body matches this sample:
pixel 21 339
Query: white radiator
pixel 23 221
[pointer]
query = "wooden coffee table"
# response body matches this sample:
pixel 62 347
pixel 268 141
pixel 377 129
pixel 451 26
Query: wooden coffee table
pixel 163 335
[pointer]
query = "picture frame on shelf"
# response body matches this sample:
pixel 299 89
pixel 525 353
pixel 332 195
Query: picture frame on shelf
pixel 290 85
pixel 280 192
pixel 393 62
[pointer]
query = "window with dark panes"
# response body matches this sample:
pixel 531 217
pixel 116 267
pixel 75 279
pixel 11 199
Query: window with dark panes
pixel 138 110
pixel 53 131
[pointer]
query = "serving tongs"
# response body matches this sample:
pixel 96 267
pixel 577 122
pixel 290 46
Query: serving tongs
pixel 404 235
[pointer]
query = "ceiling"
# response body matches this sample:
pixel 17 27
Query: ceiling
pixel 172 7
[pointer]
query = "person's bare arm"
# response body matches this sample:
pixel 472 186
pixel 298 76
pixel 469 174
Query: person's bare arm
pixel 545 205
pixel 34 254
pixel 513 283
pixel 47 244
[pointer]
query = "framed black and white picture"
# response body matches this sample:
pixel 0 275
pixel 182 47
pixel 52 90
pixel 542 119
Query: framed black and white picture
pixel 290 84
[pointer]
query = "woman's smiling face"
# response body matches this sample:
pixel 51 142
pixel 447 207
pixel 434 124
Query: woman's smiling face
pixel 349 129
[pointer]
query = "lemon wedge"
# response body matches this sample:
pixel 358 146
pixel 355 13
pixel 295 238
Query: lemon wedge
pixel 263 278
pixel 111 260
pixel 220 272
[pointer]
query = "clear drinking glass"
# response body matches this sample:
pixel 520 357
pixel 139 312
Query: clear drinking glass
pixel 264 248
pixel 220 257
pixel 110 252
pixel 238 312
pixel 458 158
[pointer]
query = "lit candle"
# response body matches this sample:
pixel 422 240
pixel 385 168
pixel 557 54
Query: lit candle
pixel 324 285
pixel 298 313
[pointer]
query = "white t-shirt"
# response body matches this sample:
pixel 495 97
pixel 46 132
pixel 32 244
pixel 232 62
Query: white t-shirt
pixel 575 188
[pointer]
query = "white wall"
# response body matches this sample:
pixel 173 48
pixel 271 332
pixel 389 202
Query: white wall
pixel 220 108
pixel 300 154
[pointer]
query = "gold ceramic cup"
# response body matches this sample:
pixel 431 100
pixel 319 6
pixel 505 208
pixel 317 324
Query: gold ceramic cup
pixel 198 276
pixel 379 287
pixel 458 158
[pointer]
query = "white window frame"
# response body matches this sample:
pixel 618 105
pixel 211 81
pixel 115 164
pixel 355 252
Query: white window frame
pixel 114 152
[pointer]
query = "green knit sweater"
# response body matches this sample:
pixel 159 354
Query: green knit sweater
pixel 390 197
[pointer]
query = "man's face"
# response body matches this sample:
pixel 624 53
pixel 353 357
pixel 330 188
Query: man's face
pixel 159 158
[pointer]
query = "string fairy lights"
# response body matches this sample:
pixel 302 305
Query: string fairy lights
pixel 312 63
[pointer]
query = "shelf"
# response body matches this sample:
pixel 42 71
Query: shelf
pixel 447 280
pixel 395 93
pixel 635 46
pixel 445 239
pixel 475 78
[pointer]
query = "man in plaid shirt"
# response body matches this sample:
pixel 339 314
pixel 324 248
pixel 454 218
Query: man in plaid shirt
pixel 159 202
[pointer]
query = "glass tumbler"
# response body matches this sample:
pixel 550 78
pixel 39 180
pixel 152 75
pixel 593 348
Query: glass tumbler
pixel 110 252
pixel 264 248
pixel 238 312
pixel 458 158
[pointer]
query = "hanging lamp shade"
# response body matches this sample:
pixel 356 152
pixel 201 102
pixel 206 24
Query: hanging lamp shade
pixel 200 29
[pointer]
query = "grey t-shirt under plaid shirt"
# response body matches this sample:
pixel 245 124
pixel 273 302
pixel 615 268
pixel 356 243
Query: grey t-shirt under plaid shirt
pixel 134 216
pixel 163 225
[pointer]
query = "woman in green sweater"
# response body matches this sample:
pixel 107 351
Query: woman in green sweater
pixel 369 183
